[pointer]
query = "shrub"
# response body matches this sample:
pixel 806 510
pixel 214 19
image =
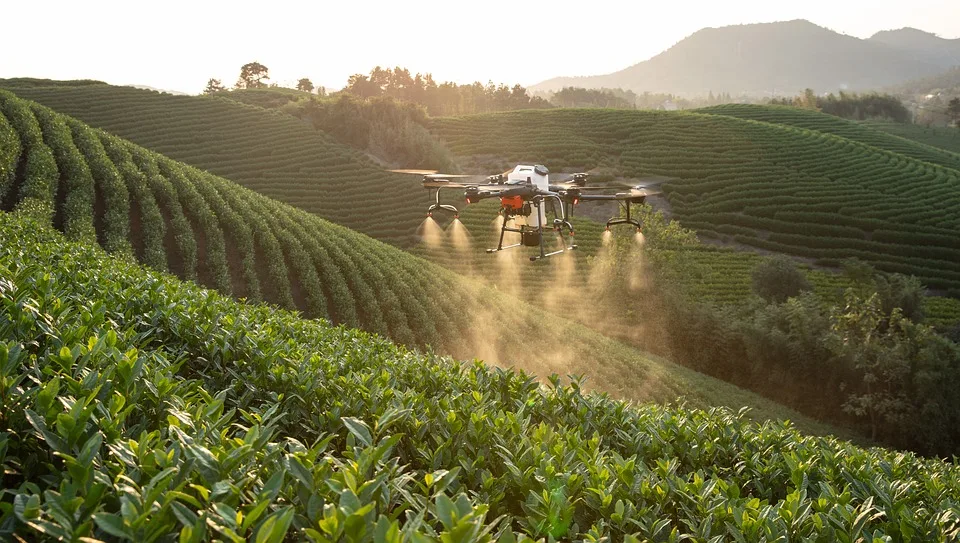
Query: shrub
pixel 777 278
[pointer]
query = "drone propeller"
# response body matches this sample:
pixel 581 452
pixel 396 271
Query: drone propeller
pixel 415 172
pixel 433 174
pixel 448 175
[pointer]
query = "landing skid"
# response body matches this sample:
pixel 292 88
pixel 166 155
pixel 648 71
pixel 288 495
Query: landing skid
pixel 558 228
pixel 535 258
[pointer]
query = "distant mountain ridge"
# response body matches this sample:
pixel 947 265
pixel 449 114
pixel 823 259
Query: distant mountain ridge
pixel 779 58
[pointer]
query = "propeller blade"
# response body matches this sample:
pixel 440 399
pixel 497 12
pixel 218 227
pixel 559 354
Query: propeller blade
pixel 637 192
pixel 442 183
pixel 415 172
pixel 449 175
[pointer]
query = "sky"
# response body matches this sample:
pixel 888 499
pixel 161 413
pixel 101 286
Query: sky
pixel 180 44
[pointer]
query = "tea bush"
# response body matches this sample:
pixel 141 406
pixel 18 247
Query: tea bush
pixel 139 407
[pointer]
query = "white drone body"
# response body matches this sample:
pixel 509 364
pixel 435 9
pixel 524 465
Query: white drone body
pixel 539 177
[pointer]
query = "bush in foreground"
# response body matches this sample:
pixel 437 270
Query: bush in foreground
pixel 139 407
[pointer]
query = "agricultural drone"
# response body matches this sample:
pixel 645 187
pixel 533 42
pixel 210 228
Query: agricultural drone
pixel 526 194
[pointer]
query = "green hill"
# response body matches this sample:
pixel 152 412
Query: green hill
pixel 935 136
pixel 135 113
pixel 267 151
pixel 140 407
pixel 862 132
pixel 773 187
pixel 95 186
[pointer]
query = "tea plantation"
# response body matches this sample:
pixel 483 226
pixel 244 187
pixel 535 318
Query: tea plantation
pixel 866 133
pixel 774 187
pixel 139 407
pixel 138 204
pixel 222 136
pixel 267 151
pixel 936 136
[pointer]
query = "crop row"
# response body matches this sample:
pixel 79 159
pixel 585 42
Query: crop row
pixel 203 227
pixel 752 179
pixel 863 132
pixel 936 136
pixel 140 407
pixel 267 151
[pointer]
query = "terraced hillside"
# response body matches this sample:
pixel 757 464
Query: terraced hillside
pixel 138 112
pixel 272 153
pixel 96 187
pixel 821 122
pixel 935 136
pixel 140 407
pixel 770 186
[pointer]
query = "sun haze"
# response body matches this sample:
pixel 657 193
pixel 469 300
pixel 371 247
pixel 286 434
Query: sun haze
pixel 180 44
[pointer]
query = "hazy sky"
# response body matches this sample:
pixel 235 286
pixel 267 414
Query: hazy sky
pixel 179 44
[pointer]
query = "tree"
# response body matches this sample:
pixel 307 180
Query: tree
pixel 305 85
pixel 953 110
pixel 775 279
pixel 252 76
pixel 214 86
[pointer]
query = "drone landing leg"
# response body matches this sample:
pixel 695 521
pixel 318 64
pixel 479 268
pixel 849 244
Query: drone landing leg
pixel 503 230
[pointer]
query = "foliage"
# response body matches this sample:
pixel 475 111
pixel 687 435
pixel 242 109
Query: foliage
pixel 388 128
pixel 441 99
pixel 195 224
pixel 75 189
pixel 953 110
pixel 777 278
pixel 851 105
pixel 580 97
pixel 277 155
pixel 253 75
pixel 139 407
pixel 214 86
pixel 304 84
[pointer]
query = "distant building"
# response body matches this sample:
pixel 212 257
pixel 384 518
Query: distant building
pixel 668 105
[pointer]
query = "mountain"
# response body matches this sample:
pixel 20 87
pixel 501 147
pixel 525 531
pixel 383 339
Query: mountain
pixel 947 82
pixel 923 46
pixel 776 58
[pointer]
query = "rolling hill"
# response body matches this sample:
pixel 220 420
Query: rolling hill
pixel 865 132
pixel 96 187
pixel 781 58
pixel 559 146
pixel 140 407
pixel 941 137
pixel 267 151
pixel 770 186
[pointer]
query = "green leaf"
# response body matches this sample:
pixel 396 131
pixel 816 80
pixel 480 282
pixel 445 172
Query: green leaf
pixel 274 527
pixel 112 524
pixel 359 429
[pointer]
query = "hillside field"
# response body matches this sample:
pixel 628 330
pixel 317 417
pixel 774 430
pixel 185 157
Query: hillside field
pixel 141 407
pixel 267 151
pixel 175 124
pixel 944 138
pixel 96 187
pixel 765 185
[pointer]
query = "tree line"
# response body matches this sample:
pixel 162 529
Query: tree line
pixel 861 356
pixel 449 98
pixel 871 105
